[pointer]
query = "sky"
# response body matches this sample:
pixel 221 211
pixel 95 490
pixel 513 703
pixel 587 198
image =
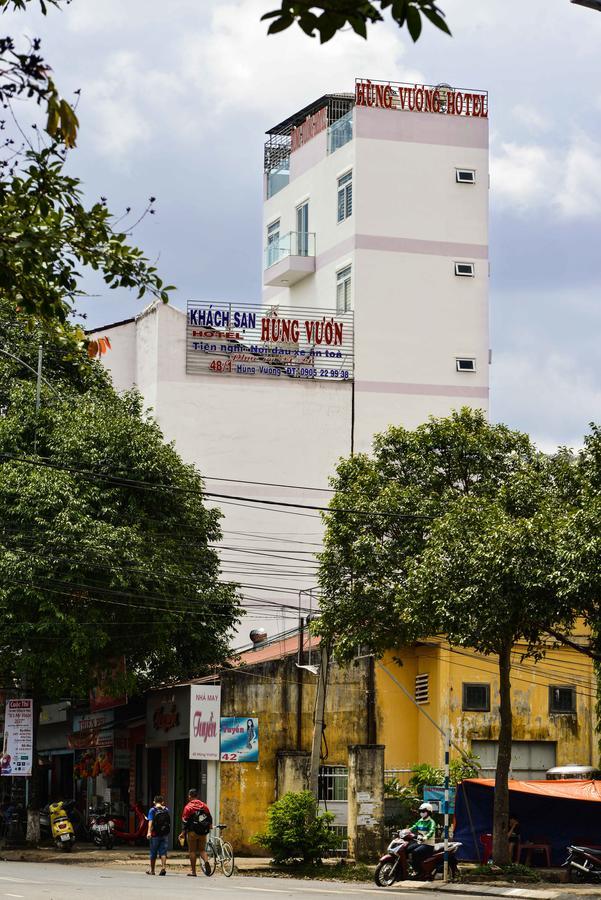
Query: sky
pixel 176 97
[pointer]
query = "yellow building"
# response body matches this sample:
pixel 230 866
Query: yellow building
pixel 367 702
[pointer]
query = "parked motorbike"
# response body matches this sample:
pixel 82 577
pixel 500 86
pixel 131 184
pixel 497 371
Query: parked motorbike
pixel 61 827
pixel 583 864
pixel 79 825
pixel 102 828
pixel 396 865
pixel 141 828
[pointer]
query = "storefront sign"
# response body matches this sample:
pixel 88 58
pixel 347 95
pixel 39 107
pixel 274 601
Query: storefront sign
pixel 421 98
pixel 239 739
pixel 205 713
pixel 92 730
pixel 17 746
pixel 121 757
pixel 54 713
pixel 312 125
pixel 103 696
pixel 278 342
pixel 167 715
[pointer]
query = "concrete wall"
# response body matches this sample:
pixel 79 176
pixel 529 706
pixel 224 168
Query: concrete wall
pixel 270 691
pixel 410 738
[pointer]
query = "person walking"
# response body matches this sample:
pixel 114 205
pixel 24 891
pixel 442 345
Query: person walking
pixel 196 824
pixel 159 826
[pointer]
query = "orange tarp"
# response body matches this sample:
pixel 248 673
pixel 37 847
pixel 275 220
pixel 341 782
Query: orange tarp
pixel 566 790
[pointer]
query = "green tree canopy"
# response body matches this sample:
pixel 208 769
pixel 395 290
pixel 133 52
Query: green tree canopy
pixel 450 529
pixel 106 545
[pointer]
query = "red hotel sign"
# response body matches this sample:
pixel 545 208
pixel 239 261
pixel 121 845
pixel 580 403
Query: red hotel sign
pixel 420 98
pixel 309 128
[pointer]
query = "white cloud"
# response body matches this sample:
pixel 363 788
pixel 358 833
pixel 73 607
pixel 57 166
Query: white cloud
pixel 563 180
pixel 531 117
pixel 550 395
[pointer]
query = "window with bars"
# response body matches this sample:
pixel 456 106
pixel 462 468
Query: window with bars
pixel 333 783
pixel 422 688
pixel 345 196
pixel 562 699
pixel 343 290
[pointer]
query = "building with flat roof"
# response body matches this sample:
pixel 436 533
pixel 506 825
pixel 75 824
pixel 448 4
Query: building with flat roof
pixel 374 312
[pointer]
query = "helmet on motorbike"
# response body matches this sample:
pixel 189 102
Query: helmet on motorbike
pixel 426 807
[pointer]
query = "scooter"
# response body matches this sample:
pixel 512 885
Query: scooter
pixel 395 864
pixel 102 828
pixel 583 864
pixel 61 827
pixel 139 835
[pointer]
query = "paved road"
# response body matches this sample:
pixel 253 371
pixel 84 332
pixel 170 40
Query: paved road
pixel 39 881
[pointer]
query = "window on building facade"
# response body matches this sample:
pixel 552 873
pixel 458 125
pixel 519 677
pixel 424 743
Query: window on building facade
pixel 562 699
pixel 333 783
pixel 465 364
pixel 467 270
pixel 343 290
pixel 273 242
pixel 465 176
pixel 476 697
pixel 345 196
pixel 302 229
pixel 422 689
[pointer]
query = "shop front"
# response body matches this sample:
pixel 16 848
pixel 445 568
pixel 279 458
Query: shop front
pixel 169 770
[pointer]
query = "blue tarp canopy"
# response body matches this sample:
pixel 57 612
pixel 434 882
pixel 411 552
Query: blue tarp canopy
pixel 553 812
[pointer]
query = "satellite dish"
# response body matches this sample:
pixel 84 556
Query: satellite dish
pixel 258 635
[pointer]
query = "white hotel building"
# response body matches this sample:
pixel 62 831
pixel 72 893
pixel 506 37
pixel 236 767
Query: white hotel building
pixel 375 209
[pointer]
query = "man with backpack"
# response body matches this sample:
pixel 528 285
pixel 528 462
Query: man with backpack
pixel 197 822
pixel 159 826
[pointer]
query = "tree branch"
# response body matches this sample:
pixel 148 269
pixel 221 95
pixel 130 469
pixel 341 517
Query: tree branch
pixel 585 649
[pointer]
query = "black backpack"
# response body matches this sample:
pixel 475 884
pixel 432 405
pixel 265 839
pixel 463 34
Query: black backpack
pixel 161 823
pixel 200 822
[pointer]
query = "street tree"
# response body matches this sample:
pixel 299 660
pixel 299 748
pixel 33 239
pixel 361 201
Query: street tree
pixel 327 18
pixel 49 234
pixel 451 529
pixel 107 548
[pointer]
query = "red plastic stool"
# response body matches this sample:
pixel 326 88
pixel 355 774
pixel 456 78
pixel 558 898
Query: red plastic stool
pixel 486 841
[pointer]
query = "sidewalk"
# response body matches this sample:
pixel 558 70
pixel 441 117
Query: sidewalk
pixel 132 857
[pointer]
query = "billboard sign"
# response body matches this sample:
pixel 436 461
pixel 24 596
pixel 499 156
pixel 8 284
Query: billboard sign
pixel 17 745
pixel 205 713
pixel 428 98
pixel 239 739
pixel 274 342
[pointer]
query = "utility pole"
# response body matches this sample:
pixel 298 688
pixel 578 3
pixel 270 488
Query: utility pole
pixel 320 702
pixel 38 393
pixel 447 774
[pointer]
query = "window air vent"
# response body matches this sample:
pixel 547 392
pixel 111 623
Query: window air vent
pixel 465 365
pixel 422 689
pixel 465 176
pixel 465 269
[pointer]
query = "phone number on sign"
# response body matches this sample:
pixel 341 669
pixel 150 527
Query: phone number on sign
pixel 306 372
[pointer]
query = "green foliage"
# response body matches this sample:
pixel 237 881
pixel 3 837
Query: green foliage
pixel 328 17
pixel 106 545
pixel 462 767
pixel 296 829
pixel 48 235
pixel 423 775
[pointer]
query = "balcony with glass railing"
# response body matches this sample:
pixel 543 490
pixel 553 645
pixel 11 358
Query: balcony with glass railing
pixel 340 132
pixel 289 257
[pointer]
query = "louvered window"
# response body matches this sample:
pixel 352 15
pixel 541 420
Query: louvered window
pixel 345 196
pixel 343 290
pixel 422 689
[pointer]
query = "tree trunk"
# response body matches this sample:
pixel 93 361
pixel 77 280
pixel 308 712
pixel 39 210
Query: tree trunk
pixel 33 808
pixel 500 845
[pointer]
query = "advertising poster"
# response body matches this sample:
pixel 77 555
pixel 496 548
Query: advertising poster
pixel 239 739
pixel 17 745
pixel 205 713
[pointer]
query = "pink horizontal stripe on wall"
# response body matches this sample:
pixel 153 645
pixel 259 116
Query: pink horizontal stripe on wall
pixel 421 128
pixel 400 245
pixel 415 245
pixel 431 390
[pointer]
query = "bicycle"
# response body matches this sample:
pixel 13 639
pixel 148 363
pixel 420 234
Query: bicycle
pixel 220 851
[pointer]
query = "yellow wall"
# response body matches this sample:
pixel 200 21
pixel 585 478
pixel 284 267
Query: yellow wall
pixel 270 691
pixel 410 738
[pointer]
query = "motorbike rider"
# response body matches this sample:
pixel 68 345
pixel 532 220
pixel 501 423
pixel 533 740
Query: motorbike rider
pixel 424 829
